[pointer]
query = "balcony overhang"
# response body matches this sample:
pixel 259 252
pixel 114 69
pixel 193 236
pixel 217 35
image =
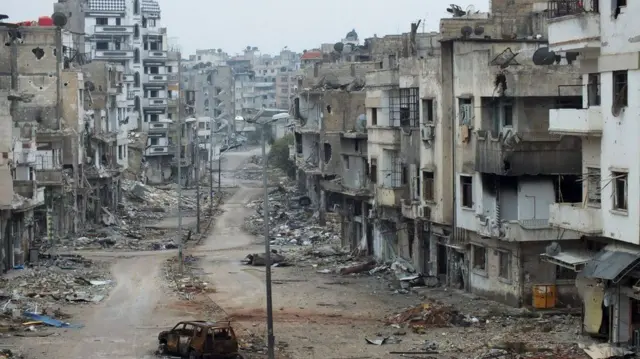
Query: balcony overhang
pixel 576 32
pixel 497 154
pixel 576 122
pixel 576 217
pixel 389 197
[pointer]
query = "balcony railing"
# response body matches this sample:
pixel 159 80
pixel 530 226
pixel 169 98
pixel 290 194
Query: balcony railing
pixel 113 29
pixel 559 8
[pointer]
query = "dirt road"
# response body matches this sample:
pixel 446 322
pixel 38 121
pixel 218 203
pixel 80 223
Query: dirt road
pixel 125 325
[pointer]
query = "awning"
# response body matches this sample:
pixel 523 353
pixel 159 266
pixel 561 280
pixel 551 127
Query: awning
pixel 612 263
pixel 573 260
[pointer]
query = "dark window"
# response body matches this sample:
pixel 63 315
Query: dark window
pixel 374 116
pixel 620 89
pixel 620 191
pixel 427 111
pixel 620 3
pixel 507 115
pixel 565 273
pixel 118 21
pixel 153 141
pixel 479 257
pixel 593 90
pixel 374 170
pixel 504 270
pixel 102 45
pixel 404 107
pixel 136 7
pixel 102 21
pixel 466 187
pixel 345 159
pixel 428 186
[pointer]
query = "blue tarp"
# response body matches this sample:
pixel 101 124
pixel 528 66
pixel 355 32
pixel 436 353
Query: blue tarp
pixel 50 321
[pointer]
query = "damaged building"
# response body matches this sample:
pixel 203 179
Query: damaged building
pixel 329 104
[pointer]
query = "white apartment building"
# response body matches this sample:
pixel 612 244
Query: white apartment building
pixel 604 34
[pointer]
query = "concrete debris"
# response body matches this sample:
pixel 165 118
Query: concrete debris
pixel 431 315
pixel 292 221
pixel 186 284
pixel 8 354
pixel 259 259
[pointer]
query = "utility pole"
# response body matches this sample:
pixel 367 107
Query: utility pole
pixel 267 250
pixel 219 170
pixel 213 123
pixel 196 160
pixel 180 110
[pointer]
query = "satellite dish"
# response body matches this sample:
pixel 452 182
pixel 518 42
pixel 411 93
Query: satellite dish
pixel 470 10
pixel 59 19
pixel 478 30
pixel 543 56
pixel 89 86
pixel 466 31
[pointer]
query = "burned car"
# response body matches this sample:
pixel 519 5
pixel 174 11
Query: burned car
pixel 200 340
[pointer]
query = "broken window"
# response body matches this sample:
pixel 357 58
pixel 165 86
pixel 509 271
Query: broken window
pixel 120 152
pixel 428 185
pixel 153 141
pixel 504 268
pixel 404 175
pixel 466 188
pixel 479 257
pixel 593 186
pixel 404 107
pixel 427 111
pixel 327 152
pixel 620 89
pixel 298 141
pixel 345 159
pixel 374 116
pixel 465 111
pixel 593 90
pixel 620 191
pixel 565 273
pixel 507 114
pixel 373 173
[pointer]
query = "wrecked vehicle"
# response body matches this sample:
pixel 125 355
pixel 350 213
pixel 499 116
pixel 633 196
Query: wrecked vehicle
pixel 200 340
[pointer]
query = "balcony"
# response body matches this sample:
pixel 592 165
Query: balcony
pixel 157 150
pixel 172 102
pixel 129 78
pixel 385 136
pixel 574 25
pixel 158 127
pixel 113 54
pixel 534 230
pixel 24 157
pixel 173 77
pixel 383 78
pixel 113 30
pixel 155 78
pixel 509 154
pixel 576 122
pixel 30 191
pixel 49 177
pixel 156 55
pixel 389 197
pixel 576 217
pixel 155 102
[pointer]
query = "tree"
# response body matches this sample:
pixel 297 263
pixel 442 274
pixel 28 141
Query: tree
pixel 279 155
pixel 339 46
pixel 219 51
pixel 248 48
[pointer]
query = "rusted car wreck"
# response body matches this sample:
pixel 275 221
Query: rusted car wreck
pixel 200 340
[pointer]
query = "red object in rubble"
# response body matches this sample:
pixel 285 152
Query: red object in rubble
pixel 45 21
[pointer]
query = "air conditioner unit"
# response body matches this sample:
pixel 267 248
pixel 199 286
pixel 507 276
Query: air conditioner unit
pixel 427 133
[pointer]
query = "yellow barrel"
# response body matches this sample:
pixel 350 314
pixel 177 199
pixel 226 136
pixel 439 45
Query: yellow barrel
pixel 544 296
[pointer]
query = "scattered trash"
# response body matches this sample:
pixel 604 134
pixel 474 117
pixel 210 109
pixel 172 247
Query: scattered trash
pixel 382 341
pixel 50 321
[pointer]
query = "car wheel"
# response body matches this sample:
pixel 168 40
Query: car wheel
pixel 193 355
pixel 162 349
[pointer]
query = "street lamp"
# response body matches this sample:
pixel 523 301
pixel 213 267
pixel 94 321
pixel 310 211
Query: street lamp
pixel 267 113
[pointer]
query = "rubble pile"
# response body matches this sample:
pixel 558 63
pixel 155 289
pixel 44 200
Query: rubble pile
pixel 430 314
pixel 8 354
pixel 291 219
pixel 52 281
pixel 186 284
pixel 147 202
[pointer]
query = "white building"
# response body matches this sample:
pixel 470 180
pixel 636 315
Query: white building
pixel 604 35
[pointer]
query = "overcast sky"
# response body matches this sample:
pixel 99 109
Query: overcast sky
pixel 273 24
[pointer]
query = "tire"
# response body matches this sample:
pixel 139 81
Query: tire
pixel 162 349
pixel 193 355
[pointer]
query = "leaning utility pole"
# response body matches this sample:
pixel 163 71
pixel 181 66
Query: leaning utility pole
pixel 180 110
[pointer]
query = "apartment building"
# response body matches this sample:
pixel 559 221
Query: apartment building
pixel 601 33
pixel 129 33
